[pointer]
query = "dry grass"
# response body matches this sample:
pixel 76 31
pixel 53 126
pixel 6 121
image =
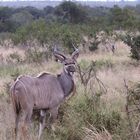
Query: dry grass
pixel 6 52
pixel 114 81
pixel 6 119
pixel 121 55
pixel 94 134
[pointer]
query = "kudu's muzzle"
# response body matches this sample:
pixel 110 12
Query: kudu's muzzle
pixel 70 68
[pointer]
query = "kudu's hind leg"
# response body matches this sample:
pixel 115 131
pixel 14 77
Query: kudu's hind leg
pixel 25 120
pixel 42 122
pixel 16 125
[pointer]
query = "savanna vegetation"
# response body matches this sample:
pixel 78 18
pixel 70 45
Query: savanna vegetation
pixel 106 105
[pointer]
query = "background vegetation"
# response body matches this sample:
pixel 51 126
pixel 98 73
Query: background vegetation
pixel 66 23
pixel 106 105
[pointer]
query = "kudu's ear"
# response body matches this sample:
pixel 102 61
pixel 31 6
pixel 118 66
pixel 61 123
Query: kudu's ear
pixel 75 54
pixel 58 56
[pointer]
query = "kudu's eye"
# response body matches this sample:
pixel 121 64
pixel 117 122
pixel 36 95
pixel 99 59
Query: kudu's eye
pixel 69 64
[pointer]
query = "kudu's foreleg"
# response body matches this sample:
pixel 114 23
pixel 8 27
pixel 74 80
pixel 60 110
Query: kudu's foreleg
pixel 42 122
pixel 53 117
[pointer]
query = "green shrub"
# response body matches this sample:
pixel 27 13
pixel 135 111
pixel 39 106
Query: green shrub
pixel 50 33
pixel 34 55
pixel 89 109
pixel 108 63
pixel 135 48
pixel 134 43
pixel 84 64
pixel 94 46
pixel 14 57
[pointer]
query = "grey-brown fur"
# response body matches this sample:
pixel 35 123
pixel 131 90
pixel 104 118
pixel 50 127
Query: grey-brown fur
pixel 44 92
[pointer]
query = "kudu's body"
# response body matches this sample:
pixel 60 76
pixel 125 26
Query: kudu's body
pixel 44 92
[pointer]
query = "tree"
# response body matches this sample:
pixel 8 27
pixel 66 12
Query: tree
pixel 48 10
pixel 71 12
pixel 5 24
pixel 36 13
pixel 21 18
pixel 5 13
pixel 122 18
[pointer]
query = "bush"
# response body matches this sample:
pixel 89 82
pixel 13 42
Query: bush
pixel 93 47
pixel 34 55
pixel 49 34
pixel 90 107
pixel 82 112
pixel 134 43
pixel 14 58
pixel 135 48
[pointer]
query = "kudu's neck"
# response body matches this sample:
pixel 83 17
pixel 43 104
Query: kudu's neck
pixel 67 83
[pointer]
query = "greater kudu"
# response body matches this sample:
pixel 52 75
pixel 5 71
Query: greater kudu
pixel 45 93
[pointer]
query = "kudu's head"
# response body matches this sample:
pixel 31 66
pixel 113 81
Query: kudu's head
pixel 69 63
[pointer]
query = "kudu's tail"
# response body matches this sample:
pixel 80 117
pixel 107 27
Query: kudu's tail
pixel 15 101
pixel 16 106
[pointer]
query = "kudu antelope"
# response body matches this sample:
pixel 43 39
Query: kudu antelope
pixel 45 93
